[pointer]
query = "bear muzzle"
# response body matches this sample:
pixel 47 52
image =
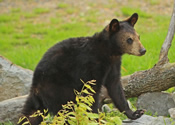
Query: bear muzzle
pixel 142 51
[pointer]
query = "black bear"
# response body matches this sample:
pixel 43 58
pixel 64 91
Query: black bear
pixel 97 57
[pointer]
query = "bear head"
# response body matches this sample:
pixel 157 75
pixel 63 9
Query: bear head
pixel 125 36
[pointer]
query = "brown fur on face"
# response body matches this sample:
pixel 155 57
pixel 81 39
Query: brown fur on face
pixel 125 31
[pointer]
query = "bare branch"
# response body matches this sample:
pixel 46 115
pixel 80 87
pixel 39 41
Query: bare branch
pixel 152 80
pixel 163 57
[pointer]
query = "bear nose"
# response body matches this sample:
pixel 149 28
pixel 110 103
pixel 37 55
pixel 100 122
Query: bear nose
pixel 142 51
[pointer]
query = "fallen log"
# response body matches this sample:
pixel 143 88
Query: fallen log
pixel 157 79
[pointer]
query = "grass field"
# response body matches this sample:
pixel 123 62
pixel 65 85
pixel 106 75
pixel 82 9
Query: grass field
pixel 26 35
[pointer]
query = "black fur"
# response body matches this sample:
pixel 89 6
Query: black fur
pixel 63 65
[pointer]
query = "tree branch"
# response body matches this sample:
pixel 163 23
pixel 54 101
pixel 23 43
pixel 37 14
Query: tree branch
pixel 152 80
pixel 163 57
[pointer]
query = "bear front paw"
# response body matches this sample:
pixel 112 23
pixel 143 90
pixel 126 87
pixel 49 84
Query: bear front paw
pixel 137 114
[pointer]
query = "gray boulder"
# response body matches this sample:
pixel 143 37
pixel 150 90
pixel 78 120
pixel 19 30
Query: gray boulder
pixel 10 110
pixel 149 120
pixel 14 80
pixel 172 112
pixel 157 102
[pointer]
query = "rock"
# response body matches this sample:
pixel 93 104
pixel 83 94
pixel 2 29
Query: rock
pixel 10 110
pixel 14 80
pixel 172 112
pixel 173 94
pixel 149 120
pixel 157 103
pixel 105 108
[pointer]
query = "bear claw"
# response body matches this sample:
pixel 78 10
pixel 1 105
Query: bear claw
pixel 138 114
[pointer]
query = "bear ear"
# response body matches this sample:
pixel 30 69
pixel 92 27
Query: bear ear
pixel 133 19
pixel 114 26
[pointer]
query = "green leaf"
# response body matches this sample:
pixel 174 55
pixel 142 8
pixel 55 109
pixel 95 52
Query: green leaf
pixel 83 105
pixel 93 115
pixel 70 114
pixel 87 86
pixel 86 92
pixel 116 120
pixel 22 118
pixel 77 99
pixel 76 92
pixel 92 82
pixel 91 99
pixel 26 123
pixel 82 81
pixel 103 121
pixel 45 111
pixel 93 123
pixel 102 115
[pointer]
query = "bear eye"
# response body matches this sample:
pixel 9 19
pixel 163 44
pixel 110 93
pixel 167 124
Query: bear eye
pixel 129 41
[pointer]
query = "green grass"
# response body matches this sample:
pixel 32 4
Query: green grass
pixel 30 15
pixel 154 2
pixel 15 10
pixel 41 10
pixel 7 123
pixel 5 18
pixel 127 11
pixel 62 5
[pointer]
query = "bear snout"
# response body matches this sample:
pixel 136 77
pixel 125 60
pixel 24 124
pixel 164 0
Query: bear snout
pixel 142 51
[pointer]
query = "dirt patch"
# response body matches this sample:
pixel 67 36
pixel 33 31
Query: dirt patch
pixel 108 7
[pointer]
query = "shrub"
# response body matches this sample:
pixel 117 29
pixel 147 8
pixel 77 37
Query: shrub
pixel 79 113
